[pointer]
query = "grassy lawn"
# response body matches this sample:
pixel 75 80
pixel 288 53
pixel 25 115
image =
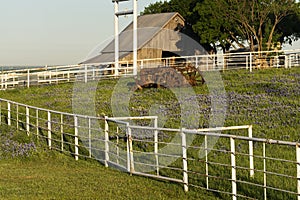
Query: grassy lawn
pixel 60 177
pixel 45 174
pixel 268 99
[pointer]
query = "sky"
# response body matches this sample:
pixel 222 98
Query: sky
pixel 57 32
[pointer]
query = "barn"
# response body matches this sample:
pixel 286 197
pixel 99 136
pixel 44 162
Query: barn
pixel 160 40
pixel 158 37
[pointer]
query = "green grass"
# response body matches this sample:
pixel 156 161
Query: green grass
pixel 267 99
pixel 54 176
pixel 46 174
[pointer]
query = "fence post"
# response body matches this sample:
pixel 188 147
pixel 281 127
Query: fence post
pixel 206 62
pixel 68 75
pixel 206 160
pixel 233 169
pixel 0 111
pixel 37 122
pixel 90 140
pixel 224 64
pixel 156 145
pixel 250 62
pixel 50 76
pixel 184 160
pixel 251 156
pixel 130 163
pixel 106 129
pixel 93 72
pixel 265 171
pixel 17 113
pixel 286 61
pixel 8 114
pixel 298 169
pixel 28 78
pixel 247 62
pixel 118 151
pixel 76 136
pixel 62 131
pixel 49 129
pixel 2 80
pixel 6 81
pixel 85 74
pixel 27 120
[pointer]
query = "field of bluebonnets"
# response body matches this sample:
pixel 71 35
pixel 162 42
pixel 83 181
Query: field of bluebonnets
pixel 268 99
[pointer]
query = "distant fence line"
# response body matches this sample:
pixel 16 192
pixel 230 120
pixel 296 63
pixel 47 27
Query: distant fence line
pixel 239 165
pixel 96 71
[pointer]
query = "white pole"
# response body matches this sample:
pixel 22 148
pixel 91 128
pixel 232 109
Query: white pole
pixel 184 160
pixel 298 170
pixel 135 37
pixel 27 120
pixel 49 130
pixel 8 114
pixel 90 140
pixel 76 136
pixel 6 78
pixel 233 169
pixel 156 145
pixel 62 132
pixel 265 171
pixel 28 78
pixel 17 116
pixel 247 62
pixel 116 39
pixel 206 161
pixel 130 148
pixel 85 74
pixel 0 113
pixel 106 129
pixel 286 62
pixel 206 63
pixel 250 62
pixel 251 158
pixel 37 122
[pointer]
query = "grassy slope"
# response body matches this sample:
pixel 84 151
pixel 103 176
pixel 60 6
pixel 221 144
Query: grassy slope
pixel 51 175
pixel 60 177
pixel 268 99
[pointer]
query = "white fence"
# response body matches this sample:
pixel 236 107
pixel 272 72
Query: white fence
pixel 227 160
pixel 95 71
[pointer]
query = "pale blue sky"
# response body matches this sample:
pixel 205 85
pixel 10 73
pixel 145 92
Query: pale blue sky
pixel 40 32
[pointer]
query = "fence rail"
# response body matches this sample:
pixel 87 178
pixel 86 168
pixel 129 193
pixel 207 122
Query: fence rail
pixel 236 166
pixel 95 71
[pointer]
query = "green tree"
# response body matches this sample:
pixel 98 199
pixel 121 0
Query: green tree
pixel 214 27
pixel 257 20
pixel 258 24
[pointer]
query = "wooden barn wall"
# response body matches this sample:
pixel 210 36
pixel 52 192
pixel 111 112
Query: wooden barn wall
pixel 167 40
pixel 145 53
pixel 163 41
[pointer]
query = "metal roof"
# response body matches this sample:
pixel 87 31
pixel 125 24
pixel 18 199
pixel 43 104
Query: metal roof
pixel 148 27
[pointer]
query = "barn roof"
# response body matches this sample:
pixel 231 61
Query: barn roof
pixel 148 27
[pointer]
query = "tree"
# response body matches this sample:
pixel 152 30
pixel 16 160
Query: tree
pixel 257 20
pixel 236 23
pixel 214 28
pixel 158 7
